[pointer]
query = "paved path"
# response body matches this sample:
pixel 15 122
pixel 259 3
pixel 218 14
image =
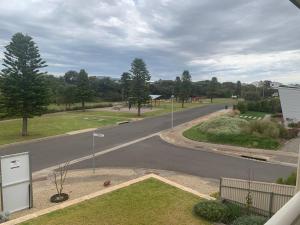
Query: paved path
pixel 47 153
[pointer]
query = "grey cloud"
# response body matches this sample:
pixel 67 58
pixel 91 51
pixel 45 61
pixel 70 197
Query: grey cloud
pixel 207 37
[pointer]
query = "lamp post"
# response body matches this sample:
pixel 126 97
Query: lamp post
pixel 172 114
pixel 95 134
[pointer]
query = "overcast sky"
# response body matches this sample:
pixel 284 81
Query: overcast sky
pixel 231 39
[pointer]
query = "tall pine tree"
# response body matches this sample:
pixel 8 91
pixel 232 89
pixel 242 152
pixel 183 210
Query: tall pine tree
pixel 139 83
pixel 125 85
pixel 23 87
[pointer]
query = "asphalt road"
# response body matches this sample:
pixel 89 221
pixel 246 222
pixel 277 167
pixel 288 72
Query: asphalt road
pixel 50 152
pixel 154 153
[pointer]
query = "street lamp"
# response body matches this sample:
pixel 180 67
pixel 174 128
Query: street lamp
pixel 95 134
pixel 172 114
pixel 296 2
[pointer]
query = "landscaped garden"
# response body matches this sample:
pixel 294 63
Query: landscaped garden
pixel 147 202
pixel 233 130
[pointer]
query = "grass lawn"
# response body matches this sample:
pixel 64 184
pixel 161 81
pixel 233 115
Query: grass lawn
pixel 243 140
pixel 166 107
pixel 59 123
pixel 253 115
pixel 149 202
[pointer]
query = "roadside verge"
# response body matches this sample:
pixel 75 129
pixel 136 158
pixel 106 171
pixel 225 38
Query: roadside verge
pixel 175 136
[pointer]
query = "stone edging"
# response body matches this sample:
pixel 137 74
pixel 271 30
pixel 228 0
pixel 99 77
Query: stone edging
pixel 102 192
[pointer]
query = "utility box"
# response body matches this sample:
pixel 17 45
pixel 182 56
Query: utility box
pixel 16 182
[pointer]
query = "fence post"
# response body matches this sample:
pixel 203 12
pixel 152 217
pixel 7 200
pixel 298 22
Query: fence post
pixel 271 204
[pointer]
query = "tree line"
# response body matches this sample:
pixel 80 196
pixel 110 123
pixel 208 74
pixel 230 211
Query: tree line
pixel 26 91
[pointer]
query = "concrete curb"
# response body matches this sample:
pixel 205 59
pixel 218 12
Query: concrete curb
pixel 102 192
pixel 176 137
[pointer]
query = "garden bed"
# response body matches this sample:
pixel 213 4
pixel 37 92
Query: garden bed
pixel 232 130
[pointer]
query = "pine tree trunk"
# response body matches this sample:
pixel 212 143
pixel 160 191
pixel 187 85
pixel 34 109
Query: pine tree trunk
pixel 139 109
pixel 182 104
pixel 24 126
pixel 211 99
pixel 83 105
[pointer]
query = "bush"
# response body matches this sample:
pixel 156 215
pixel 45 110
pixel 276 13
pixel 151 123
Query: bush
pixel 294 125
pixel 234 211
pixel 250 220
pixel 242 107
pixel 290 180
pixel 213 211
pixel 288 133
pixel 263 129
pixel 223 125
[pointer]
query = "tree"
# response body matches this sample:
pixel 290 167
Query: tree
pixel 71 77
pixel 212 90
pixel 238 89
pixel 177 87
pixel 139 84
pixel 125 85
pixel 186 87
pixel 83 88
pixel 23 87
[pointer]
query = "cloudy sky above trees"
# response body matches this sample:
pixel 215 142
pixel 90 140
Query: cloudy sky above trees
pixel 231 39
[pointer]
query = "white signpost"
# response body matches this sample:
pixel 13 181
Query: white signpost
pixel 16 182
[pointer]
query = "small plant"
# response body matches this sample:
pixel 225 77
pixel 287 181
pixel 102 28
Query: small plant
pixel 290 180
pixel 59 180
pixel 4 216
pixel 213 211
pixel 250 220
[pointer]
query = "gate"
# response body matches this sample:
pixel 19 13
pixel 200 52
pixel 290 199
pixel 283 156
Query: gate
pixel 16 182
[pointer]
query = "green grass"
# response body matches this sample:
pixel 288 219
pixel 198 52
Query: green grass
pixel 149 202
pixel 243 140
pixel 59 123
pixel 253 114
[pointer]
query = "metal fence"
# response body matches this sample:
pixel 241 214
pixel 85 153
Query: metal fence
pixel 267 198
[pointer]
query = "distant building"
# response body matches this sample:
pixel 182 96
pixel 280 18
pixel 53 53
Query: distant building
pixel 289 99
pixel 273 84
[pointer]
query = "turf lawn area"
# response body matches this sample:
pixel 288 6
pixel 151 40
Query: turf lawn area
pixel 166 107
pixel 58 123
pixel 243 140
pixel 253 114
pixel 149 202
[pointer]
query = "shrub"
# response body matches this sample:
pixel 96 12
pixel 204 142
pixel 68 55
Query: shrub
pixel 294 125
pixel 290 180
pixel 289 133
pixel 250 220
pixel 213 211
pixel 234 211
pixel 242 107
pixel 223 125
pixel 263 129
